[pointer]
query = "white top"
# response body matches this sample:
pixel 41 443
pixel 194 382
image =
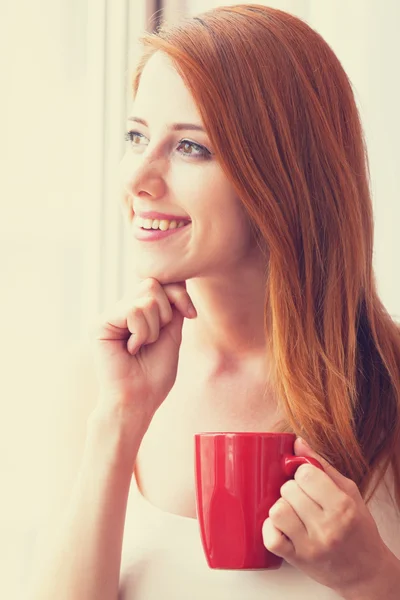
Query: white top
pixel 163 559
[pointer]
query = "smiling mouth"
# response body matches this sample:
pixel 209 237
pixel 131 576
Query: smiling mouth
pixel 145 233
pixel 161 224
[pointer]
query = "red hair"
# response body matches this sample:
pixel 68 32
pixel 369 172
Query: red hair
pixel 280 112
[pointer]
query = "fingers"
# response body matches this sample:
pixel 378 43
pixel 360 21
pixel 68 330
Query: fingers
pixel 143 322
pixel 139 315
pixel 274 540
pixel 172 293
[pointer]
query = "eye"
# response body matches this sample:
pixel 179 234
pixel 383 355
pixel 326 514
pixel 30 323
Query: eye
pixel 185 147
pixel 192 149
pixel 134 137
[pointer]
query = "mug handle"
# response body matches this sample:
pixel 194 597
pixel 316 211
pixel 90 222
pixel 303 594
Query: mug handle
pixel 291 463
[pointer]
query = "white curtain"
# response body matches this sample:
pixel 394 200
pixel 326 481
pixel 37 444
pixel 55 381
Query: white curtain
pixel 364 36
pixel 63 101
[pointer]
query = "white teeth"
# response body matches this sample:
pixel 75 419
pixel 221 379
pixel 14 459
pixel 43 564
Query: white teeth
pixel 162 224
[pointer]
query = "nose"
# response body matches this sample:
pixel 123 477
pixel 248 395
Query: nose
pixel 146 181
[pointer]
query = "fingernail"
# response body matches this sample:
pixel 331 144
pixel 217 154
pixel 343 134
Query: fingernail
pixel 191 310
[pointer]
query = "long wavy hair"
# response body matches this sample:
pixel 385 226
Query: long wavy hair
pixel 281 115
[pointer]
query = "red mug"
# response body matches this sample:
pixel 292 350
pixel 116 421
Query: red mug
pixel 238 476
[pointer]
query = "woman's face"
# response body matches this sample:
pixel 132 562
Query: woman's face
pixel 169 167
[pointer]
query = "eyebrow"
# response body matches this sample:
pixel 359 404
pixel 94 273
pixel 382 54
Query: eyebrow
pixel 172 126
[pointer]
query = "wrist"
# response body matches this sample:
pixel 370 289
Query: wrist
pixel 117 430
pixel 120 411
pixel 383 583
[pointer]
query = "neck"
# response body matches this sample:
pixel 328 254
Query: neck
pixel 226 345
pixel 229 327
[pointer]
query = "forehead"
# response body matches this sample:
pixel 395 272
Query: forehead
pixel 162 94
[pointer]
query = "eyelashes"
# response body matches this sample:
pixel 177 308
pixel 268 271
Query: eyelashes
pixel 196 150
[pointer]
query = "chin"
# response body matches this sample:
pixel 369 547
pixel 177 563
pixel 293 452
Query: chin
pixel 162 275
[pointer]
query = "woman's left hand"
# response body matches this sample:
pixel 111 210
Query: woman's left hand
pixel 322 526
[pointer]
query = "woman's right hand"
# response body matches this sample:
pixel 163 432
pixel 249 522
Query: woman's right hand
pixel 136 346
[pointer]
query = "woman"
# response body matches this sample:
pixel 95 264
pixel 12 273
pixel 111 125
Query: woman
pixel 246 160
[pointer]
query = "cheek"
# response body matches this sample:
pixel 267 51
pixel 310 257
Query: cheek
pixel 191 185
pixel 220 216
pixel 232 220
pixel 206 194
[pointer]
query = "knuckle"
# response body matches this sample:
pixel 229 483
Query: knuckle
pixel 278 508
pixel 271 538
pixel 329 542
pixel 142 305
pixel 134 311
pixel 352 488
pixel 273 543
pixel 304 473
pixel 345 505
pixel 288 487
pixel 350 517
pixel 151 284
pixel 149 303
pixel 278 511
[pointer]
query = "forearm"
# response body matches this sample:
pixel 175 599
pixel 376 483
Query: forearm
pixel 385 584
pixel 83 561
